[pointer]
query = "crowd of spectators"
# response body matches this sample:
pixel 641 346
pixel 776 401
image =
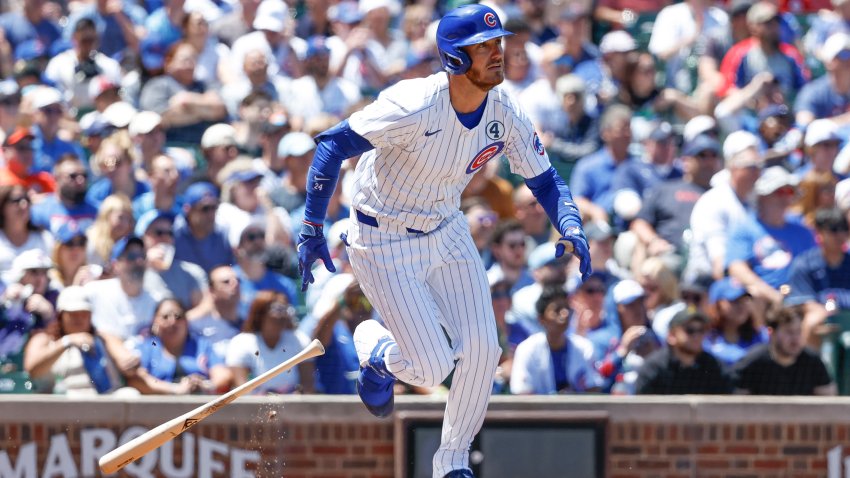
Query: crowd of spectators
pixel 153 177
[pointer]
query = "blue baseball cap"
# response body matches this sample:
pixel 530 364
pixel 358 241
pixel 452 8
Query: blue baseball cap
pixel 295 143
pixel 122 244
pixel 700 144
pixel 726 289
pixel 198 192
pixel 347 12
pixel 245 175
pixel 69 231
pixel 316 45
pixel 544 255
pixel 30 50
pixel 148 218
pixel 152 53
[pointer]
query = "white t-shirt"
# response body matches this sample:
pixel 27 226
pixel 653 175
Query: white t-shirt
pixel 306 100
pixel 35 240
pixel 250 350
pixel 675 23
pixel 533 372
pixel 116 313
pixel 62 71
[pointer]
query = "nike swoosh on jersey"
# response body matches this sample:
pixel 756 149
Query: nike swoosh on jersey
pixel 432 133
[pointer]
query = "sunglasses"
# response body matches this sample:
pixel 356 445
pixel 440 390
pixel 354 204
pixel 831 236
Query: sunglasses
pixel 163 233
pixel 254 236
pixel 594 290
pixel 515 245
pixel 695 331
pixel 691 297
pixel 174 315
pixel 76 242
pixel 838 229
pixel 206 209
pixel 76 176
pixel 52 111
pixel 501 294
pixel 134 256
pixel 19 200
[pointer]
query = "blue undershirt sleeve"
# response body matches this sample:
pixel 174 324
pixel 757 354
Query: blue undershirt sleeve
pixel 553 194
pixel 333 147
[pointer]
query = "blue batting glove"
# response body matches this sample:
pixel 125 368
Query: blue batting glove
pixel 311 246
pixel 574 242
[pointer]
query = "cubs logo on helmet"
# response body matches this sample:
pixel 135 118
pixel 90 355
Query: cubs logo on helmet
pixel 486 154
pixel 490 19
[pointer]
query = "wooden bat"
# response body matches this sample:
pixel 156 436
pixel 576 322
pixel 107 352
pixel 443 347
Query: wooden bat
pixel 155 438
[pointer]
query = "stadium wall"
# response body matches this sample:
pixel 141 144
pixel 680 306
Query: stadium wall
pixel 324 436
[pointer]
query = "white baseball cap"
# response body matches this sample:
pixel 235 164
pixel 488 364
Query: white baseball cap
pixel 44 96
pixel 144 122
pixel 834 45
pixel 697 126
pixel 295 143
pixel 73 299
pixel 774 178
pixel 220 134
pixel 366 6
pixel 821 130
pixel 101 84
pixel 119 114
pixel 271 15
pixel 617 41
pixel 737 142
pixel 627 291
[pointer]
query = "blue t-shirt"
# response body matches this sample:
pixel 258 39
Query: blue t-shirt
pixel 813 280
pixel 338 368
pixel 197 357
pixel 209 252
pixel 819 98
pixel 102 188
pixel 640 176
pixel 270 281
pixel 18 30
pixel 51 214
pixel 144 203
pixel 592 178
pixel 46 153
pixel 768 250
pixel 559 367
pixel 728 353
pixel 159 28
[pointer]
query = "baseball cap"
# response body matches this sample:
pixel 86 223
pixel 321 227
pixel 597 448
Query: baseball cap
pixel 627 291
pixel 687 315
pixel 73 299
pixel 316 45
pixel 836 46
pixel 661 131
pixel 19 134
pixel 738 7
pixel 762 12
pixel 152 52
pixel 543 255
pixel 698 125
pixel 122 244
pixel 700 144
pixel 45 96
pixel 772 111
pixel 197 192
pixel 617 41
pixel 295 144
pixel 31 259
pixel 9 89
pixel 819 131
pixel 726 289
pixel 220 134
pixel 271 15
pixel 143 123
pixel 100 84
pixel 345 12
pixel 774 178
pixel 275 122
pixel 93 124
pixel 68 231
pixel 735 143
pixel 119 114
pixel 367 6
pixel 30 50
pixel 148 218
pixel 569 85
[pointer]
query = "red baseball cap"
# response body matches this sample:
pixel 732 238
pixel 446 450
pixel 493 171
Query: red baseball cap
pixel 17 136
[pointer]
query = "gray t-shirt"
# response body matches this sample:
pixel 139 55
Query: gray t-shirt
pixel 179 282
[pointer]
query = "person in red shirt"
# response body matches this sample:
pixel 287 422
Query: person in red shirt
pixel 18 162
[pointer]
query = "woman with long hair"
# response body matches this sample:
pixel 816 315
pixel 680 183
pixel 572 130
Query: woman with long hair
pixel 114 164
pixel 268 338
pixel 17 232
pixel 114 220
pixel 662 294
pixel 69 258
pixel 733 330
pixel 212 67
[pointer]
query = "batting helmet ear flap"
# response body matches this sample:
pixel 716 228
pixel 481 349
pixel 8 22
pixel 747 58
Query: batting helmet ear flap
pixel 456 63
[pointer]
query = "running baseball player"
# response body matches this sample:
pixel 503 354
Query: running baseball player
pixel 409 245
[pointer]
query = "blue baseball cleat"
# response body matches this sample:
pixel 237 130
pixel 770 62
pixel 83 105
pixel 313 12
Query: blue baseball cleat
pixel 375 382
pixel 459 474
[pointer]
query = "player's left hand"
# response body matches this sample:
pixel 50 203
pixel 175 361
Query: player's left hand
pixel 574 242
pixel 311 246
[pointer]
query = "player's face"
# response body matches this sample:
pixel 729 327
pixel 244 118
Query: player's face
pixel 488 67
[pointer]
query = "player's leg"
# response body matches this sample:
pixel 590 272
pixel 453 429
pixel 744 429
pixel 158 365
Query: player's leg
pixel 462 294
pixel 391 272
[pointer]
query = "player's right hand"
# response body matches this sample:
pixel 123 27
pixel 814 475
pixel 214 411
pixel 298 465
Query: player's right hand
pixel 311 246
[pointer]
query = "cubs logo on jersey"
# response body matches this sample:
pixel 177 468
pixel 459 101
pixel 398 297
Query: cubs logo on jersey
pixel 485 155
pixel 537 144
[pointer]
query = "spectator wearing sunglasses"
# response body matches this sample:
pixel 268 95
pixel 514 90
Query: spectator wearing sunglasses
pixel 759 252
pixel 19 168
pixel 197 237
pixel 68 203
pixel 48 113
pixel 822 274
pixel 165 276
pixel 508 245
pixel 683 367
pixel 17 231
pixel 70 259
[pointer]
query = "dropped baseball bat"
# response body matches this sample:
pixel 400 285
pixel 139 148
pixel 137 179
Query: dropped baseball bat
pixel 156 437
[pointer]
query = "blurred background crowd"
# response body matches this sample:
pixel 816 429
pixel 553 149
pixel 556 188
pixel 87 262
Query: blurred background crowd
pixel 154 160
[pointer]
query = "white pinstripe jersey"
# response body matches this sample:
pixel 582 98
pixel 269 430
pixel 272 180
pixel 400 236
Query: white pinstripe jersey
pixel 424 157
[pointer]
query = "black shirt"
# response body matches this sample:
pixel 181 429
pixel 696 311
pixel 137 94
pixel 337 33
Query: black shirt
pixel 667 207
pixel 664 374
pixel 759 374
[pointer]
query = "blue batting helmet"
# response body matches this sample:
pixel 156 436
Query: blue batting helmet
pixel 464 26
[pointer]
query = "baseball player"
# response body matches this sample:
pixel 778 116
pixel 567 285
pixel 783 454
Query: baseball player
pixel 409 245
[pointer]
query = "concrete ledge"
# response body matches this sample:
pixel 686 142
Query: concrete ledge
pixel 152 410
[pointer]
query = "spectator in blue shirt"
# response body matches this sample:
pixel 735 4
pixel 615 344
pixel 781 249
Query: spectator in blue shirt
pixel 30 24
pixel 822 274
pixel 197 239
pixel 640 175
pixel 733 331
pixel 250 251
pixel 48 146
pixel 829 95
pixel 114 163
pixel 69 202
pixel 591 179
pixel 759 252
